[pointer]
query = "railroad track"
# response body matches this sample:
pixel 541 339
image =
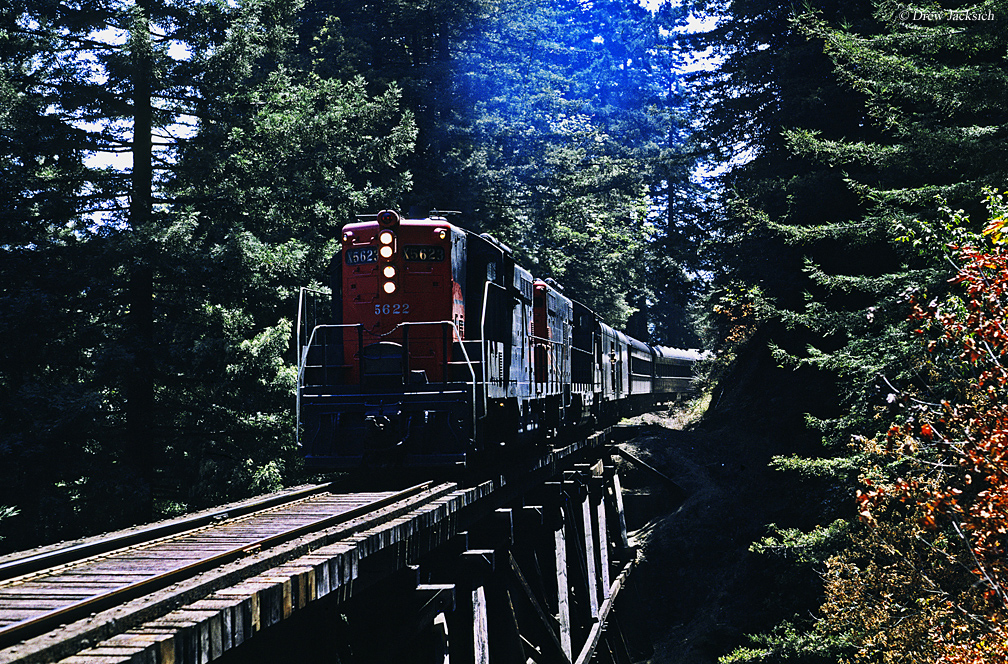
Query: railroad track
pixel 188 590
pixel 65 584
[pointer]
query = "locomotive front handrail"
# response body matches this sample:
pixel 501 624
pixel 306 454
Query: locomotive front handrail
pixel 302 313
pixel 303 359
pixel 405 325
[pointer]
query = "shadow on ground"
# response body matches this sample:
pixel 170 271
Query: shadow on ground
pixel 700 589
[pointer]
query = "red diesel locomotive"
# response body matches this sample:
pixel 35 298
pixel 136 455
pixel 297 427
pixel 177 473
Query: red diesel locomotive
pixel 442 349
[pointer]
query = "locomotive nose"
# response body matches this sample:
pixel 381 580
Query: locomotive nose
pixel 382 432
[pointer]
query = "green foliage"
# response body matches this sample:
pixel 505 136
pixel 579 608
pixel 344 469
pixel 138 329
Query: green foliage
pixel 550 126
pixel 555 125
pixel 6 512
pixel 249 205
pixel 803 547
pixel 893 595
pixel 557 182
pixel 789 642
pixel 853 122
pixel 265 188
pixel 833 214
pixel 56 350
pixel 835 467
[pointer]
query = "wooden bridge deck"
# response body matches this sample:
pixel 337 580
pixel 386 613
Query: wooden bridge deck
pixel 558 615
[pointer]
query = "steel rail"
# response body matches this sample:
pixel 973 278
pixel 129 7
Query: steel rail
pixel 78 552
pixel 31 627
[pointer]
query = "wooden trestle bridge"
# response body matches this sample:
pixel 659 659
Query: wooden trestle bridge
pixel 517 569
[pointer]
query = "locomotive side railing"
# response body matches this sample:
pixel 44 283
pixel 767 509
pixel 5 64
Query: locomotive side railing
pixel 554 364
pixel 555 352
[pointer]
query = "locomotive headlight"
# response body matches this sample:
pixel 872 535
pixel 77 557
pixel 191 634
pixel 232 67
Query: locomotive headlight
pixel 389 271
pixel 442 234
pixel 385 251
pixel 386 237
pixel 389 287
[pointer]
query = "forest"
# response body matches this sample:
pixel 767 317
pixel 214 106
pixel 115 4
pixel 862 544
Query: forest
pixel 816 189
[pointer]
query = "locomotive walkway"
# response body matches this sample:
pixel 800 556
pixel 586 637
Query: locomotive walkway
pixel 527 566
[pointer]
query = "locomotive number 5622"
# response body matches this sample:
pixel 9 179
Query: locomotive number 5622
pixel 386 309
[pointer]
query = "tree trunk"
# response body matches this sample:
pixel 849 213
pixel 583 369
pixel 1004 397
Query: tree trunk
pixel 140 394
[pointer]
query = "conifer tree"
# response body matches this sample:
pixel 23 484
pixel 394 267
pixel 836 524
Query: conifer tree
pixel 48 309
pixel 864 117
pixel 200 247
pixel 540 121
pixel 935 95
pixel 559 143
pixel 114 87
pixel 281 158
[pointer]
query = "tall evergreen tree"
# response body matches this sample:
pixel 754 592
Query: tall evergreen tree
pixel 413 45
pixel 538 120
pixel 935 95
pixel 266 185
pixel 179 300
pixel 852 120
pixel 49 340
pixel 558 142
pixel 111 84
pixel 278 160
pixel 851 125
pixel 677 265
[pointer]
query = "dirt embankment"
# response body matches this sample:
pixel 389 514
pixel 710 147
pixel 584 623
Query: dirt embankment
pixel 700 588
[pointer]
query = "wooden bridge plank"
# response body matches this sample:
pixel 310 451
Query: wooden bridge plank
pixel 589 540
pixel 601 533
pixel 563 587
pixel 481 636
pixel 617 491
pixel 548 624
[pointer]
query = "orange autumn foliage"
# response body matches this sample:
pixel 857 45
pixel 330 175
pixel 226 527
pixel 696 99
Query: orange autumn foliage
pixel 975 498
pixel 951 510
